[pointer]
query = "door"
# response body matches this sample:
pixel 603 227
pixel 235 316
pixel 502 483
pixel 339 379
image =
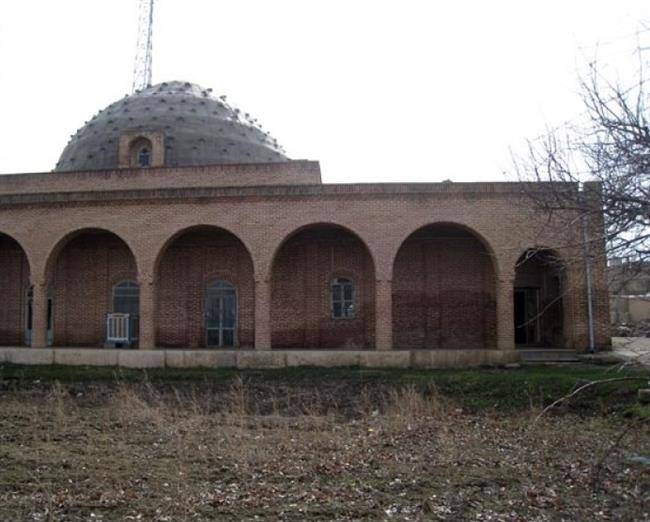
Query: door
pixel 526 316
pixel 221 314
pixel 29 318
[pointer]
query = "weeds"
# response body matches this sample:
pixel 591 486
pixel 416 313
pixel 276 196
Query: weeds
pixel 296 450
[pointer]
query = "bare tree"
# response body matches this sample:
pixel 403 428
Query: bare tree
pixel 611 148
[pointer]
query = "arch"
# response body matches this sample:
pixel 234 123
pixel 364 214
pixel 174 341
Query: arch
pixel 302 268
pixel 454 224
pixel 444 289
pixel 333 224
pixel 80 271
pixel 188 262
pixel 199 226
pixel 540 296
pixel 15 275
pixel 136 147
pixel 60 244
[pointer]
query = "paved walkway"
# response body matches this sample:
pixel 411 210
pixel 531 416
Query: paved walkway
pixel 632 349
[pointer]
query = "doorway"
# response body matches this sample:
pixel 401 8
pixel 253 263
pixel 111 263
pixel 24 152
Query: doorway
pixel 527 316
pixel 221 315
pixel 29 318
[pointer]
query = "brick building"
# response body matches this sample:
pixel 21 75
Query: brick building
pixel 180 211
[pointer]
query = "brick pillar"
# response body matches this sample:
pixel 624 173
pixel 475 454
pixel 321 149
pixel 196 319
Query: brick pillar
pixel 147 334
pixel 262 315
pixel 505 312
pixel 383 315
pixel 39 315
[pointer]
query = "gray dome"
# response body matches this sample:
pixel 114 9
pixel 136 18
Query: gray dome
pixel 198 129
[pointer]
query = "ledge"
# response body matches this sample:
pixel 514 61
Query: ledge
pixel 421 359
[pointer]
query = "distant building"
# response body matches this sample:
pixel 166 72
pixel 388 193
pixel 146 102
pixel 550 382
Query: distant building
pixel 629 286
pixel 173 220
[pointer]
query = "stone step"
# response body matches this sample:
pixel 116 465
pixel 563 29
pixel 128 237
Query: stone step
pixel 548 355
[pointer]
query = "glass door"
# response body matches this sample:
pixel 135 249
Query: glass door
pixel 221 314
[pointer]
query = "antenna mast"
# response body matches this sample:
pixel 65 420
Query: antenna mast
pixel 142 68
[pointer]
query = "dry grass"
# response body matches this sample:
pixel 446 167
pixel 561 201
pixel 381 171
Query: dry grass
pixel 144 452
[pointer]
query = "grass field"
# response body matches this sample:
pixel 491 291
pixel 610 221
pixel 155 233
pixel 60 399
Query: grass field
pixel 314 444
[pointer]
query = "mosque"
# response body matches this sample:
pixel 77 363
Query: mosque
pixel 175 231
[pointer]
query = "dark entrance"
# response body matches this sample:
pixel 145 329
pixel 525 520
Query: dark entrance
pixel 30 318
pixel 526 316
pixel 538 300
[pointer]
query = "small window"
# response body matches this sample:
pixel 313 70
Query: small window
pixel 144 157
pixel 126 298
pixel 342 292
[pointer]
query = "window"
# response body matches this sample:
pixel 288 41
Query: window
pixel 126 298
pixel 144 157
pixel 342 291
pixel 141 153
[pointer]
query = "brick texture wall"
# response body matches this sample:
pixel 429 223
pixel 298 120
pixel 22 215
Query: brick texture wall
pixel 300 295
pixel 14 283
pixel 190 263
pixel 443 292
pixel 85 272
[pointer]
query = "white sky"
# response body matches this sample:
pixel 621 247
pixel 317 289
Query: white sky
pixel 376 90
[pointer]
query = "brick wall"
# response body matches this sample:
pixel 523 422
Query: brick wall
pixel 263 217
pixel 300 296
pixel 443 292
pixel 14 283
pixel 85 272
pixel 190 263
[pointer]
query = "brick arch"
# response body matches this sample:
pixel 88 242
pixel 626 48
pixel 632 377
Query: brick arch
pixel 289 235
pixel 60 244
pixel 14 284
pixel 444 289
pixel 541 282
pixel 80 273
pixel 187 262
pixel 496 264
pixel 186 229
pixel 301 270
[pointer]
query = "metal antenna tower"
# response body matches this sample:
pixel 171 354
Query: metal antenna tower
pixel 142 68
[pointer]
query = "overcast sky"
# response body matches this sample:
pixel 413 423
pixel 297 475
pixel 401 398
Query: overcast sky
pixel 376 90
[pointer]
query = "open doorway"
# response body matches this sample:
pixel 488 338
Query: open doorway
pixel 538 300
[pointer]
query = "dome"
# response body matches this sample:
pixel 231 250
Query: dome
pixel 195 127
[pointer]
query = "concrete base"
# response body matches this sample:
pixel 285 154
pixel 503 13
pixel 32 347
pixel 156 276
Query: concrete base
pixel 163 358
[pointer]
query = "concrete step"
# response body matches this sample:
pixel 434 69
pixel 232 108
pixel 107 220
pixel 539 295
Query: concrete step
pixel 548 355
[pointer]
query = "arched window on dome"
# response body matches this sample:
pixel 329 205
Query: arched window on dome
pixel 140 152
pixel 144 157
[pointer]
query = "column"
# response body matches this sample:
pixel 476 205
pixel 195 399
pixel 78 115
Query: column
pixel 505 312
pixel 147 334
pixel 383 315
pixel 262 315
pixel 39 315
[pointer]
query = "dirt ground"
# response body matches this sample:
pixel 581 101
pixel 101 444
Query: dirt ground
pixel 304 451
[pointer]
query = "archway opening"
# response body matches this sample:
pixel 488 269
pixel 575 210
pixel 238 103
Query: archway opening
pixel 323 291
pixel 538 299
pixel 205 291
pixel 14 287
pixel 444 291
pixel 83 273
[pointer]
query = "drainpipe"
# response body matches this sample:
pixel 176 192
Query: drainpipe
pixel 587 259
